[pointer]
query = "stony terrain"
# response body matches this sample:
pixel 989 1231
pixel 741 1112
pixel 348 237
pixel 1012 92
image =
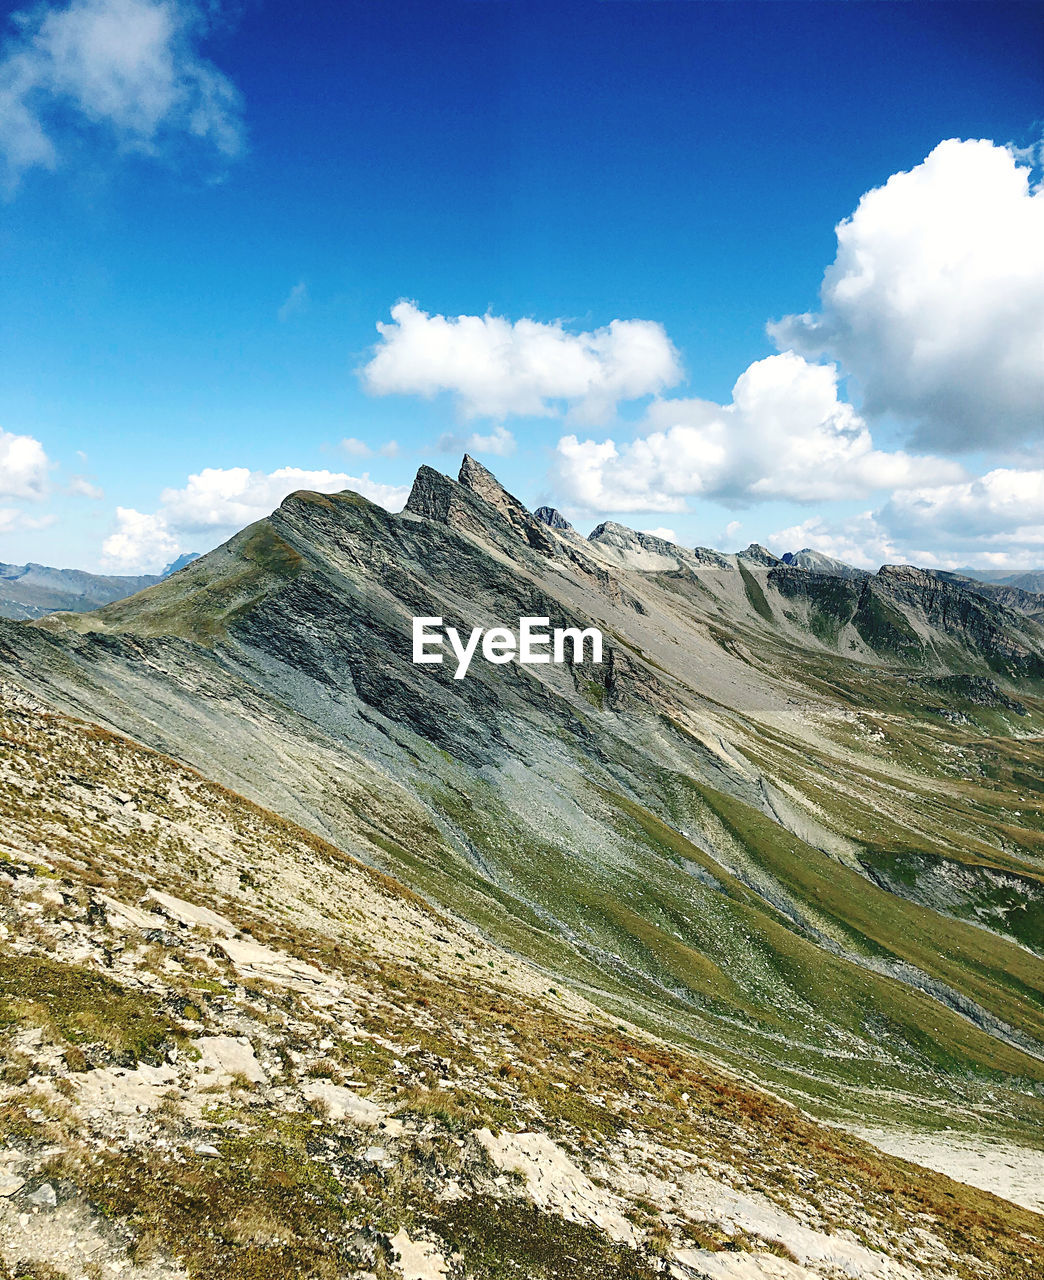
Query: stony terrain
pixel 788 836
pixel 229 1050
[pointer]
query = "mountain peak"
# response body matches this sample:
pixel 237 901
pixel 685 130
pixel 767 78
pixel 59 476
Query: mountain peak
pixel 431 495
pixel 647 551
pixel 820 562
pixel 552 517
pixel 757 554
pixel 477 503
pixel 185 558
pixel 484 484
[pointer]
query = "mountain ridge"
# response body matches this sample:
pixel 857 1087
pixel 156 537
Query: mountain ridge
pixel 789 822
pixel 305 617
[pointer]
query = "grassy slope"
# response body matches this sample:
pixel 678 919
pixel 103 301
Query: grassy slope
pixel 285 1191
pixel 710 956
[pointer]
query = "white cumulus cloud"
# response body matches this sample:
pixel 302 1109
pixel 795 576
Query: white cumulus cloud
pixel 24 467
pixel 130 66
pixel 496 367
pixel 217 502
pixel 296 300
pixel 1002 505
pixel 991 521
pixel 141 542
pixel 786 435
pixel 858 540
pixel 231 497
pixel 935 300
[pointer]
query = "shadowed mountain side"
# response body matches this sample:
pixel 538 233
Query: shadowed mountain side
pixel 766 822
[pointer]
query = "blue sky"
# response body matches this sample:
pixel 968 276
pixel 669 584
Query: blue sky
pixel 205 218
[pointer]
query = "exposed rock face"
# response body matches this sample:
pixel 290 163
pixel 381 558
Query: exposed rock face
pixel 474 476
pixel 1028 601
pixel 759 555
pixel 978 691
pixel 757 758
pixel 916 617
pixel 645 551
pixel 822 563
pixel 555 1182
pixel 986 628
pixel 479 505
pixel 552 517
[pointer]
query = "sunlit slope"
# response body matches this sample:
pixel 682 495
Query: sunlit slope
pixel 797 818
pixel 234 1052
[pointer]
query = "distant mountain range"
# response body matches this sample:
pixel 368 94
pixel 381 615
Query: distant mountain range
pixel 33 590
pixel 1023 579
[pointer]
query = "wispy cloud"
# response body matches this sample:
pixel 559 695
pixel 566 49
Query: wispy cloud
pixel 360 449
pixel 84 488
pixel 499 442
pixel 12 520
pixel 129 67
pixel 294 302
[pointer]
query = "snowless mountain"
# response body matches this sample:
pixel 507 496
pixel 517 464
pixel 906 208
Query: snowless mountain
pixel 33 590
pixel 819 562
pixel 631 930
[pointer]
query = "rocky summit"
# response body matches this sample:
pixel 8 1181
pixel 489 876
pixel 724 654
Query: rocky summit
pixel 720 958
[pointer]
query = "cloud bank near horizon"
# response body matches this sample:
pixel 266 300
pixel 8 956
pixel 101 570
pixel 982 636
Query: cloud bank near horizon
pixel 786 435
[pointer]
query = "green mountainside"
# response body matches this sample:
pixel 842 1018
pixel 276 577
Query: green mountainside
pixel 793 819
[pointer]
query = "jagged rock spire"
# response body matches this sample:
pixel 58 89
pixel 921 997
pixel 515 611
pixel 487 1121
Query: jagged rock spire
pixel 552 517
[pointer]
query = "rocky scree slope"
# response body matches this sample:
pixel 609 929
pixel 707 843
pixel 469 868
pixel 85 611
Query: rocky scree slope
pixel 792 819
pixel 228 1050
